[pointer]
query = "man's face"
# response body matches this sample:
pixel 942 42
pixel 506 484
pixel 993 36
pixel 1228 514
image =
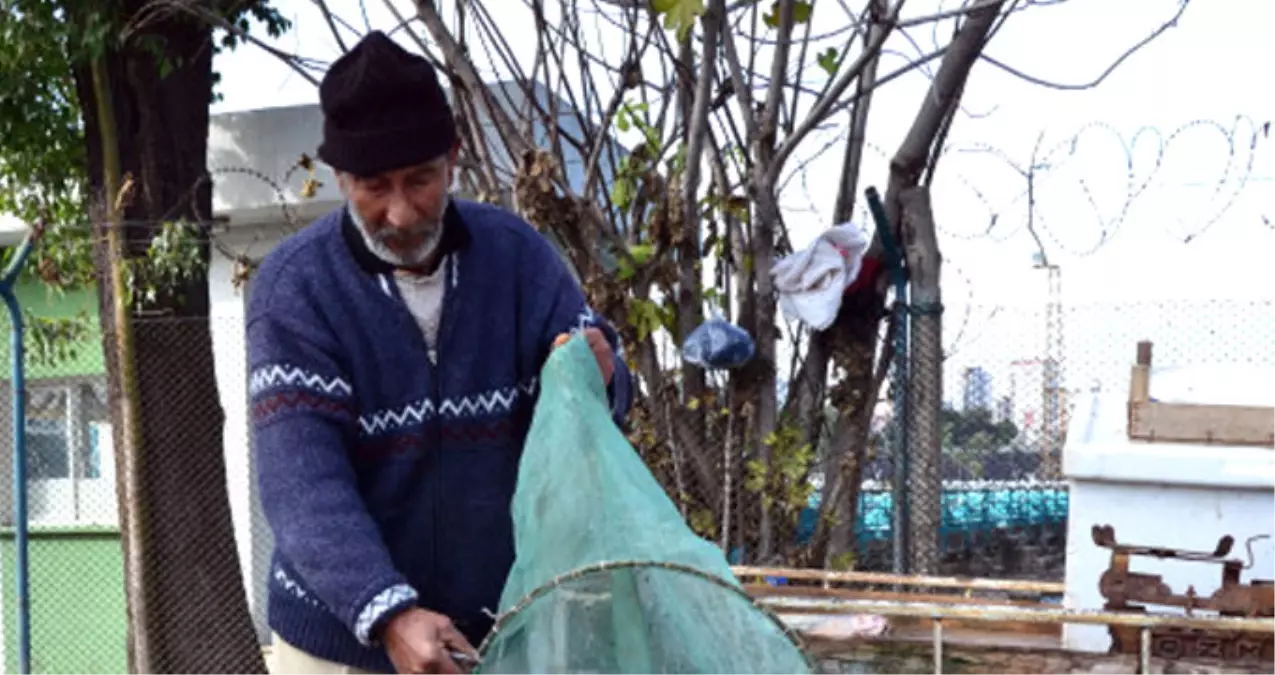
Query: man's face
pixel 402 210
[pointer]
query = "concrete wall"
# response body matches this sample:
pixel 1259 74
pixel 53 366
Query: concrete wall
pixel 252 534
pixel 243 147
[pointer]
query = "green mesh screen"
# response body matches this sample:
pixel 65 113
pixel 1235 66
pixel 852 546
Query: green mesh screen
pixel 608 577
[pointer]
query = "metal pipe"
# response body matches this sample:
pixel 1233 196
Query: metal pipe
pixel 18 382
pixel 1040 587
pixel 938 647
pixel 899 279
pixel 974 612
pixel 1144 650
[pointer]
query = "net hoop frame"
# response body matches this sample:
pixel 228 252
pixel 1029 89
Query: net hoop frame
pixel 544 589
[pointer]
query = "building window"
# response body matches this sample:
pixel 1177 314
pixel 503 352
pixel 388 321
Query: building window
pixel 70 474
pixel 47 449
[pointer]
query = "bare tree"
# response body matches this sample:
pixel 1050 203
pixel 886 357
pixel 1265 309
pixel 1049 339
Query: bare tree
pixel 721 99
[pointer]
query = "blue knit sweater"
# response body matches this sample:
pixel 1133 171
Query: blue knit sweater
pixel 387 479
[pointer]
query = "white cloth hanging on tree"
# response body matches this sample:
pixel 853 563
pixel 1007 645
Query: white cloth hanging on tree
pixel 811 282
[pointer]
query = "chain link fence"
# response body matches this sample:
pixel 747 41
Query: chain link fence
pixel 76 590
pixel 962 472
pixel 76 565
pixel 991 502
pixel 997 504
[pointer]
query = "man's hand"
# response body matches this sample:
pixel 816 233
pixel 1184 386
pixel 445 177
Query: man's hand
pixel 417 641
pixel 601 351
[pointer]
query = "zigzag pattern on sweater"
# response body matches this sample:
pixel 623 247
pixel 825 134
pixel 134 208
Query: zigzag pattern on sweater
pixel 494 402
pixel 587 318
pixel 295 589
pixel 274 375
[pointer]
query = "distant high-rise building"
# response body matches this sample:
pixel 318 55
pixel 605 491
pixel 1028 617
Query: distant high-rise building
pixel 978 389
pixel 1040 402
pixel 1005 409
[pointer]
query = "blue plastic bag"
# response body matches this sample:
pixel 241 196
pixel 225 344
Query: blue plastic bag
pixel 718 344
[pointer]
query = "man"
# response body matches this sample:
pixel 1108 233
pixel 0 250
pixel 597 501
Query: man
pixel 394 349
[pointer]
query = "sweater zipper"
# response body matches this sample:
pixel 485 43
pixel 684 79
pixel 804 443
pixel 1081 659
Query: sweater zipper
pixel 433 354
pixel 445 324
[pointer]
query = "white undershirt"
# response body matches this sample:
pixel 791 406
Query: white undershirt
pixel 423 294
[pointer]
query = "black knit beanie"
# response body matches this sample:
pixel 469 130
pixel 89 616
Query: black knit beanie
pixel 383 109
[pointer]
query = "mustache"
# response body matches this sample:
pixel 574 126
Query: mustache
pixel 423 230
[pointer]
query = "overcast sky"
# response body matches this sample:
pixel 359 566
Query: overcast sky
pixel 1194 232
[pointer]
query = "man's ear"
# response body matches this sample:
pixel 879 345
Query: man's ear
pixel 343 183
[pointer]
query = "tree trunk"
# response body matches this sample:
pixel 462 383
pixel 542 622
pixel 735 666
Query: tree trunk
pixel 906 201
pixel 925 382
pixel 767 336
pixel 854 345
pixel 187 596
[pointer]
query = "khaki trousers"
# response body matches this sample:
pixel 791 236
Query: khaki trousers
pixel 286 659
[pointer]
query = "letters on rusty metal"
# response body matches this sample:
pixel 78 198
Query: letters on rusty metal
pixel 1127 591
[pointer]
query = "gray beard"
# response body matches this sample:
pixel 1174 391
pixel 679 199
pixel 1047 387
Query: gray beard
pixel 382 251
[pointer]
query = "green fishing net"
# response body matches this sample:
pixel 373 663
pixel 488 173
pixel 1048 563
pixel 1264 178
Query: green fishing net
pixel 608 577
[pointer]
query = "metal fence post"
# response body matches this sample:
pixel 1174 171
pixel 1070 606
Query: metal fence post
pixel 18 381
pixel 900 518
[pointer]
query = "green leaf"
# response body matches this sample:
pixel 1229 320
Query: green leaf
pixel 641 253
pixel 644 315
pixel 801 12
pixel 827 60
pixel 624 269
pixel 679 15
pixel 623 191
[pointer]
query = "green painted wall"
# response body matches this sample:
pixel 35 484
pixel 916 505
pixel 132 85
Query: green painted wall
pixel 87 357
pixel 79 621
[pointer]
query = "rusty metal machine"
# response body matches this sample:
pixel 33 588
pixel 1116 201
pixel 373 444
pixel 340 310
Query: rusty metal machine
pixel 1123 588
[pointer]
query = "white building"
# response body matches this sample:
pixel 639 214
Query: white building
pixel 268 142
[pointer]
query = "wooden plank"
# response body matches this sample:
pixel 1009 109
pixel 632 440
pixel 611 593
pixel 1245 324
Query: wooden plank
pixel 1195 423
pixel 886 578
pixel 1191 422
pixel 957 631
pixel 1140 381
pixel 763 590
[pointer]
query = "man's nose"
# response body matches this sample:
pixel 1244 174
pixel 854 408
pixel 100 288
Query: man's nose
pixel 401 214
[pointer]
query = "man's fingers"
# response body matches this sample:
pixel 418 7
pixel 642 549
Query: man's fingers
pixel 602 351
pixel 454 640
pixel 446 665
